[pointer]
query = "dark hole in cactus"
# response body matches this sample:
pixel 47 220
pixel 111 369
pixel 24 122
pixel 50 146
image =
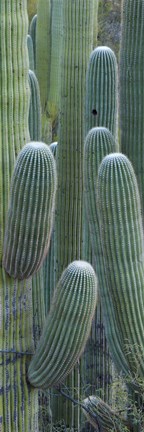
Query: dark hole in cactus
pixel 94 112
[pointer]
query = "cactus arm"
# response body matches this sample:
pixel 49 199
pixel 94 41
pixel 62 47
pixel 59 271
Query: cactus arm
pixel 122 237
pixel 67 326
pixel 35 108
pixel 32 32
pixel 43 49
pixel 101 90
pixel 30 52
pixel 31 209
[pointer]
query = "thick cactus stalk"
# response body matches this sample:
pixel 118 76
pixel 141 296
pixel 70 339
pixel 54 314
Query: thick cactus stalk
pixel 18 401
pixel 31 208
pixel 32 32
pixel 77 45
pixel 95 24
pixel 122 237
pixel 102 417
pixel 101 90
pixel 67 326
pixel 131 87
pixel 35 108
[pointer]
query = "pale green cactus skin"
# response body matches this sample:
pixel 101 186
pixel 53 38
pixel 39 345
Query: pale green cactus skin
pixel 67 326
pixel 31 210
pixel 102 90
pixel 18 401
pixel 131 88
pixel 123 250
pixel 35 108
pixel 32 31
pixel 43 49
pixel 30 52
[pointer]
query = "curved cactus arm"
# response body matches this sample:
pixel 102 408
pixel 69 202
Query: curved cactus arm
pixel 30 52
pixel 31 209
pixel 67 326
pixel 35 108
pixel 101 415
pixel 100 142
pixel 123 249
pixel 102 90
pixel 32 32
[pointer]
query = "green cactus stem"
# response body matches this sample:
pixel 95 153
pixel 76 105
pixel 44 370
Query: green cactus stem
pixel 99 142
pixel 32 31
pixel 67 326
pixel 101 90
pixel 31 208
pixel 132 88
pixel 101 416
pixel 18 400
pixel 30 52
pixel 35 108
pixel 122 238
pixel 43 49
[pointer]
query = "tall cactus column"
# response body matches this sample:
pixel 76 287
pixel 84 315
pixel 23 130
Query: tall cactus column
pixel 77 45
pixel 18 401
pixel 132 87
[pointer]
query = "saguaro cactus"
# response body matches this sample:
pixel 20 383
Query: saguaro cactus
pixel 101 90
pixel 34 109
pixel 31 209
pixel 18 401
pixel 67 326
pixel 131 87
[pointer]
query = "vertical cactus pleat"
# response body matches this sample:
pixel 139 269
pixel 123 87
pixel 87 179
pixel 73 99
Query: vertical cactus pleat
pixel 132 88
pixel 101 416
pixel 32 31
pixel 31 208
pixel 123 249
pixel 35 108
pixel 67 326
pixel 101 90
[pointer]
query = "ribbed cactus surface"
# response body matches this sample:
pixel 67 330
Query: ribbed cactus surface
pixel 18 401
pixel 132 87
pixel 123 249
pixel 35 108
pixel 67 326
pixel 31 208
pixel 101 416
pixel 101 90
pixel 99 142
pixel 32 31
pixel 30 52
pixel 43 49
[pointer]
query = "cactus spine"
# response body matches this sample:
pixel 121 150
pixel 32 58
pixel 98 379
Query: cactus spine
pixel 31 209
pixel 67 326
